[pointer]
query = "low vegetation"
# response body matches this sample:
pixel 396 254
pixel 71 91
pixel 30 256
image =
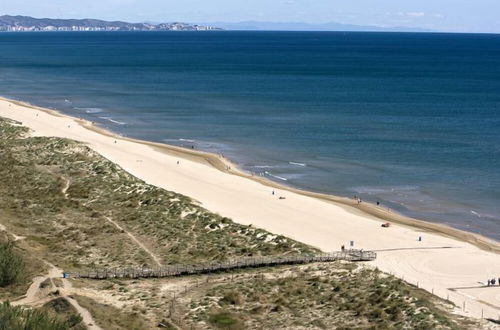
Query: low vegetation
pixel 61 309
pixel 320 297
pixel 64 202
pixel 19 318
pixel 17 267
pixel 61 195
pixel 11 264
pixel 109 317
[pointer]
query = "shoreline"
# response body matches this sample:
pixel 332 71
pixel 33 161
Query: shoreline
pixel 222 164
pixel 445 261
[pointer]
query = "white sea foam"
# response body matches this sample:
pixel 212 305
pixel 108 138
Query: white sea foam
pixel 90 110
pixel 186 140
pixel 475 213
pixel 263 166
pixel 276 176
pixel 297 164
pixel 375 190
pixel 113 121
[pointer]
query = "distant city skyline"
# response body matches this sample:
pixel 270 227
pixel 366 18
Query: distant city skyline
pixel 437 15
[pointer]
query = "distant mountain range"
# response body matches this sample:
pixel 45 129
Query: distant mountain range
pixel 272 26
pixel 25 23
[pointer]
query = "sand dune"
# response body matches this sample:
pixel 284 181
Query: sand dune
pixel 445 259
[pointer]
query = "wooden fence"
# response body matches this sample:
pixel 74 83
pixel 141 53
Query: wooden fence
pixel 214 267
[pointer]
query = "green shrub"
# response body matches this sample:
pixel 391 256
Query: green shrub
pixel 226 320
pixel 18 318
pixel 11 264
pixel 232 298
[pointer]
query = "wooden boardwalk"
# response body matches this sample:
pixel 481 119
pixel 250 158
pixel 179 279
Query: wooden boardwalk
pixel 215 267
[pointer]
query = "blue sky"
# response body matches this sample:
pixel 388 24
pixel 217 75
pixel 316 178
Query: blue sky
pixel 442 15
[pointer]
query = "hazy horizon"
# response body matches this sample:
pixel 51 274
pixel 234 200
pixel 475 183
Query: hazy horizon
pixel 445 16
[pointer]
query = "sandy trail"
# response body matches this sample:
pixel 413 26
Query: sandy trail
pixel 157 261
pixel 135 240
pixel 323 222
pixel 64 190
pixel 16 237
pixel 87 319
pixel 36 296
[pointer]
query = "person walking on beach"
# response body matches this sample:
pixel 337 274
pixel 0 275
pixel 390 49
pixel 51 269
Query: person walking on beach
pixel 493 281
pixel 489 282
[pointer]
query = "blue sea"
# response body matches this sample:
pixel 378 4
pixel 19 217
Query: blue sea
pixel 410 120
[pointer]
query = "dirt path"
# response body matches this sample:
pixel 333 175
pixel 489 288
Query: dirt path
pixel 64 190
pixel 87 318
pixel 120 228
pixel 37 296
pixel 133 238
pixel 16 238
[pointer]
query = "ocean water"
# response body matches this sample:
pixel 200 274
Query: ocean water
pixel 410 120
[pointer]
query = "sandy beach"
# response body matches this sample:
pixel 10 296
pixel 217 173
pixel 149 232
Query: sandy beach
pixel 447 262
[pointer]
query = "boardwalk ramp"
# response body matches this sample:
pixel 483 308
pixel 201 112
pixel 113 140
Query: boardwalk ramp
pixel 224 266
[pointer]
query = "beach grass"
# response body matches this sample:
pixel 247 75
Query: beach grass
pixel 109 317
pixel 57 315
pixel 22 271
pixel 65 204
pixel 320 297
pixel 60 194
